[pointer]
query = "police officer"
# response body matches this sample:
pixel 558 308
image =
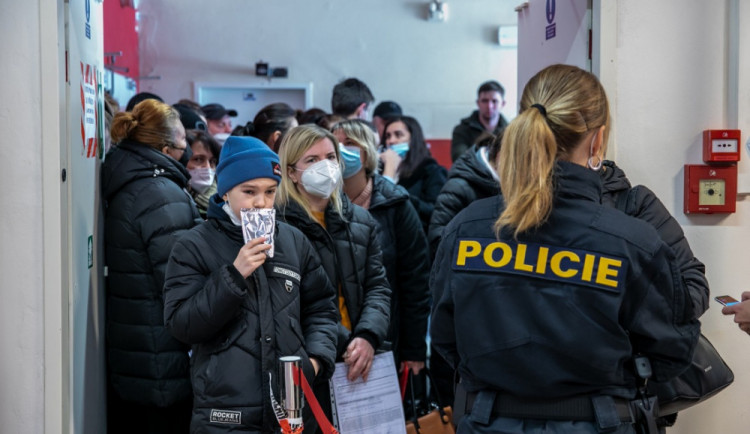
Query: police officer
pixel 542 294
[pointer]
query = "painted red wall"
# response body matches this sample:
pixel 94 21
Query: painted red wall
pixel 120 35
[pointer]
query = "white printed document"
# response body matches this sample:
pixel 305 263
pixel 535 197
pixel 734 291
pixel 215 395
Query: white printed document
pixel 368 407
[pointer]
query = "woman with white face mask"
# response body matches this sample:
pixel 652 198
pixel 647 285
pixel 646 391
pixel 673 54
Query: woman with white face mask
pixel 345 237
pixel 202 168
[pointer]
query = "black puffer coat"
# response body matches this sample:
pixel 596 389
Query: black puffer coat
pixel 240 327
pixel 146 210
pixel 644 205
pixel 351 256
pixel 406 261
pixel 423 186
pixel 468 180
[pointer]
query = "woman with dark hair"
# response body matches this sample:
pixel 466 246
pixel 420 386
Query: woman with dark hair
pixel 311 116
pixel 408 162
pixel 202 167
pixel 146 211
pixel 270 124
pixel 573 288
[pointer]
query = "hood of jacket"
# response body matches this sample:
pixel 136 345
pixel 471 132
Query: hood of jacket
pixel 614 183
pixel 130 161
pixel 471 168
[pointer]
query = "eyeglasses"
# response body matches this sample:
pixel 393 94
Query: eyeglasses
pixel 171 145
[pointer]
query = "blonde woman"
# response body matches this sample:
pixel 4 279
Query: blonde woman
pixel 405 252
pixel 345 237
pixel 571 288
pixel 146 210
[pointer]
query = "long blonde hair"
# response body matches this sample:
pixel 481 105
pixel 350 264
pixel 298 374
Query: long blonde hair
pixel 152 123
pixel 572 103
pixel 293 146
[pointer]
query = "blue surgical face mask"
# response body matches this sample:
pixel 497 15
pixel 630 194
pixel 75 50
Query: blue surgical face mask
pixel 352 162
pixel 400 148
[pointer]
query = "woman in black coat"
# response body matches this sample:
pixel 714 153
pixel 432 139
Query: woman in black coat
pixel 408 162
pixel 345 237
pixel 471 177
pixel 405 254
pixel 242 308
pixel 146 210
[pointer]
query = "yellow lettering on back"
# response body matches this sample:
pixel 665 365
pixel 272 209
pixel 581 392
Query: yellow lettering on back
pixel 541 260
pixel 467 249
pixel 503 261
pixel 608 267
pixel 588 267
pixel 521 259
pixel 555 264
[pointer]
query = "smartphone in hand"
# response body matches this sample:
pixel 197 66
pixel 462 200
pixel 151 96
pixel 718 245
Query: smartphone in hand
pixel 726 300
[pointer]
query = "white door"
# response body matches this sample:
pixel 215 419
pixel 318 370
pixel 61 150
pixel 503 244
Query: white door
pixel 550 32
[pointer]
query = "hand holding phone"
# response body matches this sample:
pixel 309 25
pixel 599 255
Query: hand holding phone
pixel 726 300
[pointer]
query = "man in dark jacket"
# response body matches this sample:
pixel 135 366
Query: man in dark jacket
pixel 147 209
pixel 490 100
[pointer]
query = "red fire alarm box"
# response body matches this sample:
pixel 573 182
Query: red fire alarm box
pixel 721 146
pixel 710 189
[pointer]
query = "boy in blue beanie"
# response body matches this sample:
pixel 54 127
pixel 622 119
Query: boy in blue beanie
pixel 240 309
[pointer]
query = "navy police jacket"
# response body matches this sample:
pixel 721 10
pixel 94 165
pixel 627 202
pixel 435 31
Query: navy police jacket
pixel 238 328
pixel 559 311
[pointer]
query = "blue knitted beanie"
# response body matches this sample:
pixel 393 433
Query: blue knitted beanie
pixel 245 158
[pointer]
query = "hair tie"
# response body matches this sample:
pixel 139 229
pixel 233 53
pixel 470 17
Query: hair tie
pixel 541 109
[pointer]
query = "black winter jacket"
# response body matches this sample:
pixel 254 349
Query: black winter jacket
pixel 644 205
pixel 240 327
pixel 468 180
pixel 406 262
pixel 351 256
pixel 465 134
pixel 146 210
pixel 423 186
pixel 559 312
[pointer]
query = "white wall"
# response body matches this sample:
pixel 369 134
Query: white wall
pixel 431 69
pixel 673 80
pixel 21 228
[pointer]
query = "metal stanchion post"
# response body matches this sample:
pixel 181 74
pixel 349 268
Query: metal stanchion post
pixel 293 399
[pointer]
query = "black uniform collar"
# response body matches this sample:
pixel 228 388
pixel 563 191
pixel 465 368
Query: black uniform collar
pixel 574 180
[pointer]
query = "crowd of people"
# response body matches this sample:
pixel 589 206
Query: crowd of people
pixel 536 283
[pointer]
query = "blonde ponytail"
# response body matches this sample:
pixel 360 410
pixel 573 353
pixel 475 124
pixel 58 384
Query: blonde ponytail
pixel 526 165
pixel 559 106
